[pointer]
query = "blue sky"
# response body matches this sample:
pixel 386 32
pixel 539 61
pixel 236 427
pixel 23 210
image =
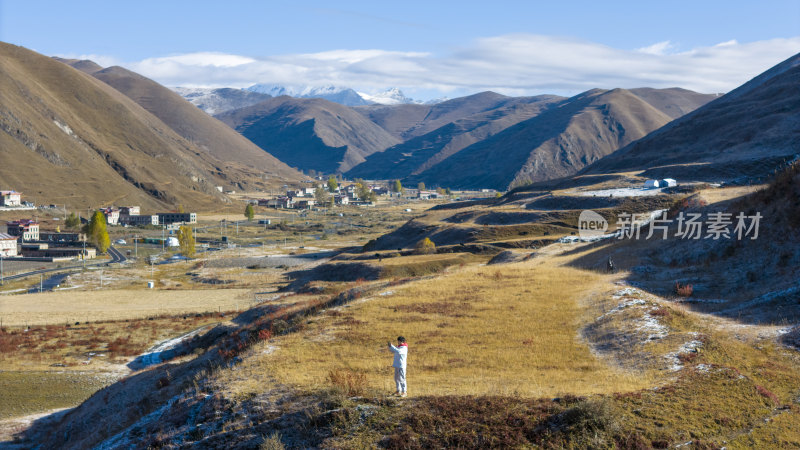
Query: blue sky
pixel 424 47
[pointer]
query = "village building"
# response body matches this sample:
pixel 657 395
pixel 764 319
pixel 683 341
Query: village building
pixel 112 215
pixel 56 238
pixel 8 245
pixel 130 210
pixel 651 184
pixel 27 229
pixel 43 250
pixel 341 199
pixel 11 198
pixel 425 195
pixel 170 218
pixel 380 190
pixel 304 204
pixel 280 202
pixel 139 221
pixel 667 182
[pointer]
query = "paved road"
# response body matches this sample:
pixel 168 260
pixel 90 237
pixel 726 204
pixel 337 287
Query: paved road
pixel 116 257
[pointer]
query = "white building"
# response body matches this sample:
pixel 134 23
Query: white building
pixel 8 245
pixel 11 198
pixel 25 228
pixel 668 182
pixel 112 215
pixel 651 184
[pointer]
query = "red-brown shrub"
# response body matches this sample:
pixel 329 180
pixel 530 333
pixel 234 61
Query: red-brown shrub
pixel 766 393
pixel 684 291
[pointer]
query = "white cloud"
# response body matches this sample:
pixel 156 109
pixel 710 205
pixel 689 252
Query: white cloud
pixel 659 48
pixel 517 64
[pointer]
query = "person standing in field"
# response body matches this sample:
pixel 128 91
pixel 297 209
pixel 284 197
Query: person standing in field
pixel 399 364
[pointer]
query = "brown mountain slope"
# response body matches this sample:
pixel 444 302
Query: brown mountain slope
pixel 423 152
pixel 310 133
pixel 741 136
pixel 84 65
pixel 556 143
pixel 410 121
pixel 190 122
pixel 494 113
pixel 674 102
pixel 69 138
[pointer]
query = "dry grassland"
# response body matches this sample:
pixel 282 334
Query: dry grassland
pixel 62 307
pixel 511 329
pixel 421 259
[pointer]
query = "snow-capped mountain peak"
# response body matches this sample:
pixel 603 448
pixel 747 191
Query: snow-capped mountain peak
pixel 393 96
pixel 337 94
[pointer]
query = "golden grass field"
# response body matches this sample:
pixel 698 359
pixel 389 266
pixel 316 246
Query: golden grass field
pixel 513 329
pixel 61 307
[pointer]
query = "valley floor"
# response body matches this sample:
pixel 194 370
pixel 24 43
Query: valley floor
pixel 542 350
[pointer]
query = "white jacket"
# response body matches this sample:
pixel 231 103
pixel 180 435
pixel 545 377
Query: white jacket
pixel 400 354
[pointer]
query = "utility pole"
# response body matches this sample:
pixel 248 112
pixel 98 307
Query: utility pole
pixel 1 270
pixel 136 246
pixel 83 256
pixel 41 278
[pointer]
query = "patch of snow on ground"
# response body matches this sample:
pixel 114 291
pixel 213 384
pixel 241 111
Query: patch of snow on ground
pixel 627 292
pixel 619 192
pixel 652 327
pixel 687 347
pixel 124 439
pixel 270 349
pixel 703 300
pixel 623 305
pixel 155 354
pixel 705 368
pixel 766 298
pixel 383 294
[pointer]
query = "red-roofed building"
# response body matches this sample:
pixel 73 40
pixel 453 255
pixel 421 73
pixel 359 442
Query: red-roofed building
pixel 26 228
pixel 112 215
pixel 11 198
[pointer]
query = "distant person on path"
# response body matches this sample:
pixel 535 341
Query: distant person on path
pixel 399 364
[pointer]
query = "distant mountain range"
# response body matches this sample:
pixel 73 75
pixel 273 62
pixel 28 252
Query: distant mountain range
pixel 218 101
pixel 78 123
pixel 486 140
pixel 562 138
